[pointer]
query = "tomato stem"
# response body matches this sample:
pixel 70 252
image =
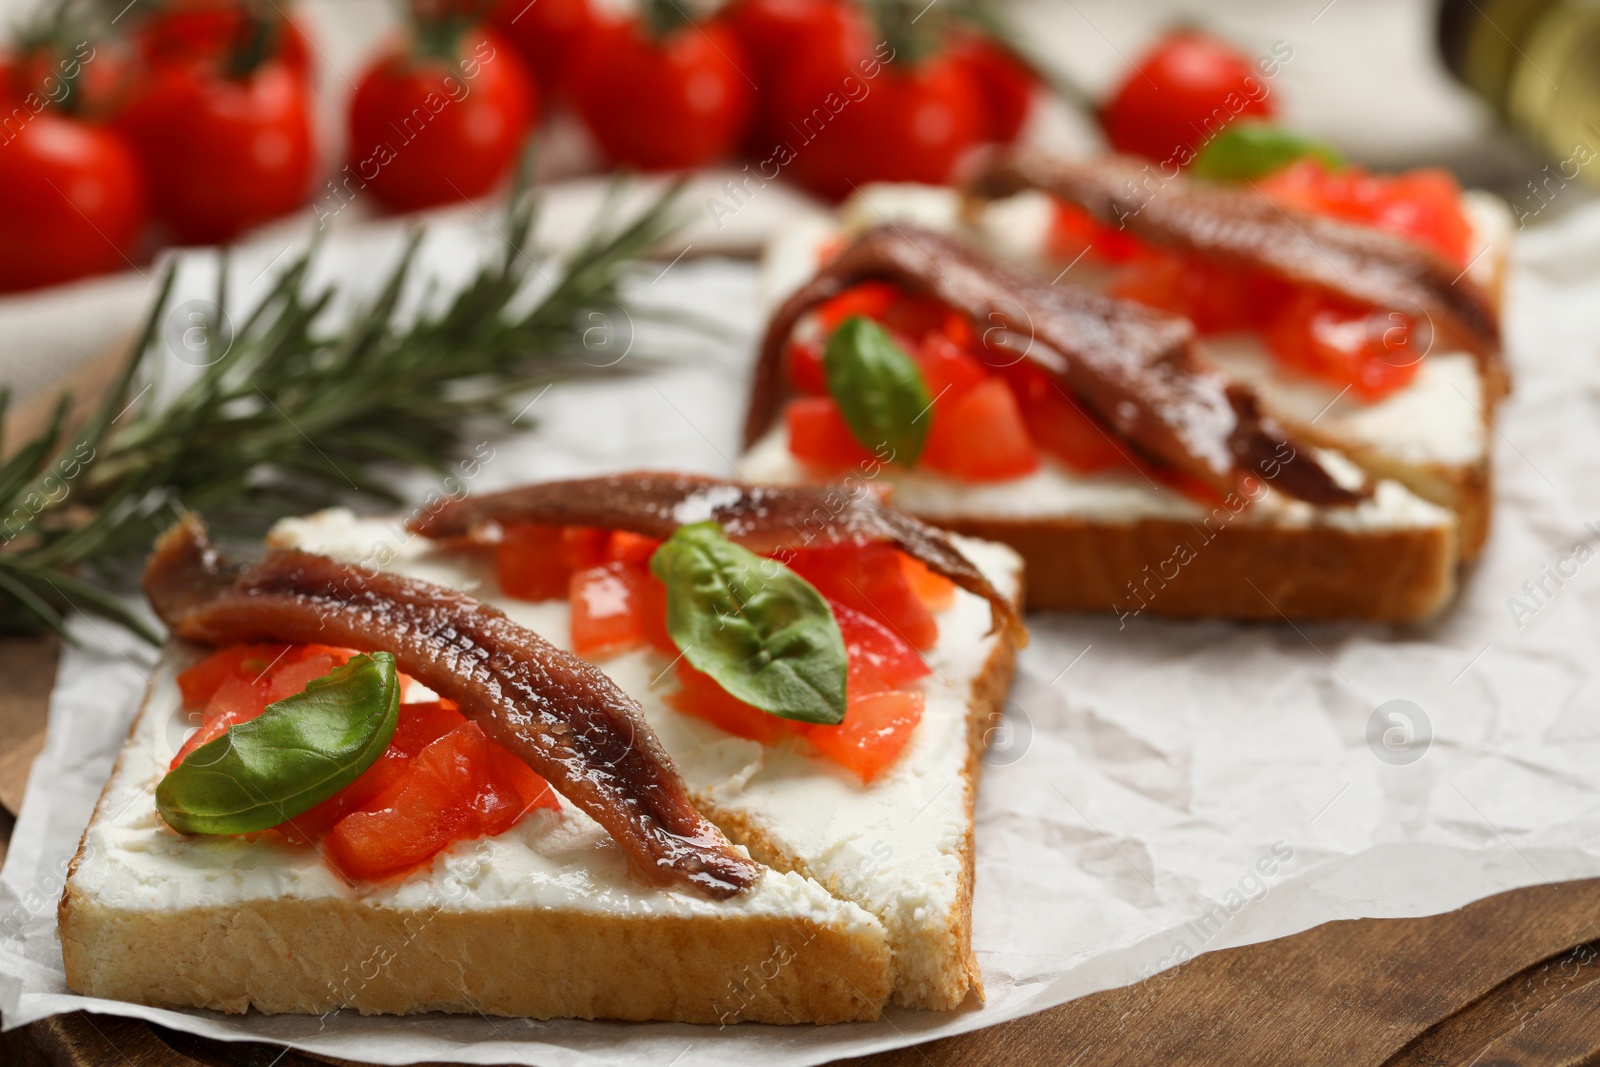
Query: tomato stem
pixel 256 42
pixel 664 17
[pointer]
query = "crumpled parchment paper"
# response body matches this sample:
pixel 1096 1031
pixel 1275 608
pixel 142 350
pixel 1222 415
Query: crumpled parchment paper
pixel 1159 790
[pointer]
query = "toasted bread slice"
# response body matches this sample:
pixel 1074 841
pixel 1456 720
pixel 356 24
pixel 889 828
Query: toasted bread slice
pixel 868 901
pixel 1123 543
pixel 900 847
pixel 542 921
pixel 1432 436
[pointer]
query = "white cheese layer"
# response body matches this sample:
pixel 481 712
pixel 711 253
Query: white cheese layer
pixel 564 860
pixel 560 860
pixel 893 846
pixel 1055 492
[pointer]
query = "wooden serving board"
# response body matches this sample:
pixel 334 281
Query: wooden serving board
pixel 1510 979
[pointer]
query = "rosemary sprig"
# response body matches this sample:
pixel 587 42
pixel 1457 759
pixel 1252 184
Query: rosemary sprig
pixel 298 413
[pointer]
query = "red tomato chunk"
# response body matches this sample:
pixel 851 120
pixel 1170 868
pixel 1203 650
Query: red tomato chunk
pixel 437 763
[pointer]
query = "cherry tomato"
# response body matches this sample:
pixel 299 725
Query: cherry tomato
pixel 72 202
pixel 205 31
pixel 907 123
pixel 426 131
pixel 1005 82
pixel 547 34
pixel 223 154
pixel 89 81
pixel 780 36
pixel 665 103
pixel 1181 93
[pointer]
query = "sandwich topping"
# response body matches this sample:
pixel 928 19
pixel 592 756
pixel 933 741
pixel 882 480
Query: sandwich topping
pixel 778 521
pixel 1350 278
pixel 555 713
pixel 784 613
pixel 1102 381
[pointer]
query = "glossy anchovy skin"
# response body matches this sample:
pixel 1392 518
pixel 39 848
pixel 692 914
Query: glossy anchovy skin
pixel 1238 225
pixel 1134 369
pixel 765 519
pixel 563 717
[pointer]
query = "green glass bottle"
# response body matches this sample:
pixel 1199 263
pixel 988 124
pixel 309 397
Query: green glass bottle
pixel 1537 62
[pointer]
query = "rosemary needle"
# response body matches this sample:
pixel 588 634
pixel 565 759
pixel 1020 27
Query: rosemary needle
pixel 299 413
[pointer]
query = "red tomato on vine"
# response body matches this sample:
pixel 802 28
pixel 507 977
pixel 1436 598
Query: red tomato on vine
pixel 782 36
pixel 663 98
pixel 190 31
pixel 72 202
pixel 854 120
pixel 442 124
pixel 547 34
pixel 223 152
pixel 1005 84
pixel 1181 93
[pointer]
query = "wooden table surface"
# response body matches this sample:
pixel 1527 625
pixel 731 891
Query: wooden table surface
pixel 1510 979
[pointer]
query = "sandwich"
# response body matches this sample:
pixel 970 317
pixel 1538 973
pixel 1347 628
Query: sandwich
pixel 638 747
pixel 1363 309
pixel 1140 458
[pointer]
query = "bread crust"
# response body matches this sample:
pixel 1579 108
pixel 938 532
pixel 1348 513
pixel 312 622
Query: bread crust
pixel 1242 571
pixel 313 957
pixel 320 955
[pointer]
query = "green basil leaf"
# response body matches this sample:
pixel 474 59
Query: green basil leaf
pixel 291 757
pixel 1248 150
pixel 762 631
pixel 879 389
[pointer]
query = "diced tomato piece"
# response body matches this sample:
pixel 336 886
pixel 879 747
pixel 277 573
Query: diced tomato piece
pixel 806 372
pixel 1059 426
pixel 869 579
pixel 700 695
pixel 458 787
pixel 948 368
pixel 878 721
pixel 875 730
pixel 1215 297
pixel 819 435
pixel 585 546
pixel 1074 233
pixel 981 437
pixel 610 608
pixel 421 725
pixel 1225 299
pixel 1343 345
pixel 418 727
pixel 197 683
pixel 913 319
pixel 628 547
pixel 236 700
pixel 871 299
pixel 934 590
pixel 1422 205
pixel 879 658
pixel 529 562
pixel 289 679
pixel 652 598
